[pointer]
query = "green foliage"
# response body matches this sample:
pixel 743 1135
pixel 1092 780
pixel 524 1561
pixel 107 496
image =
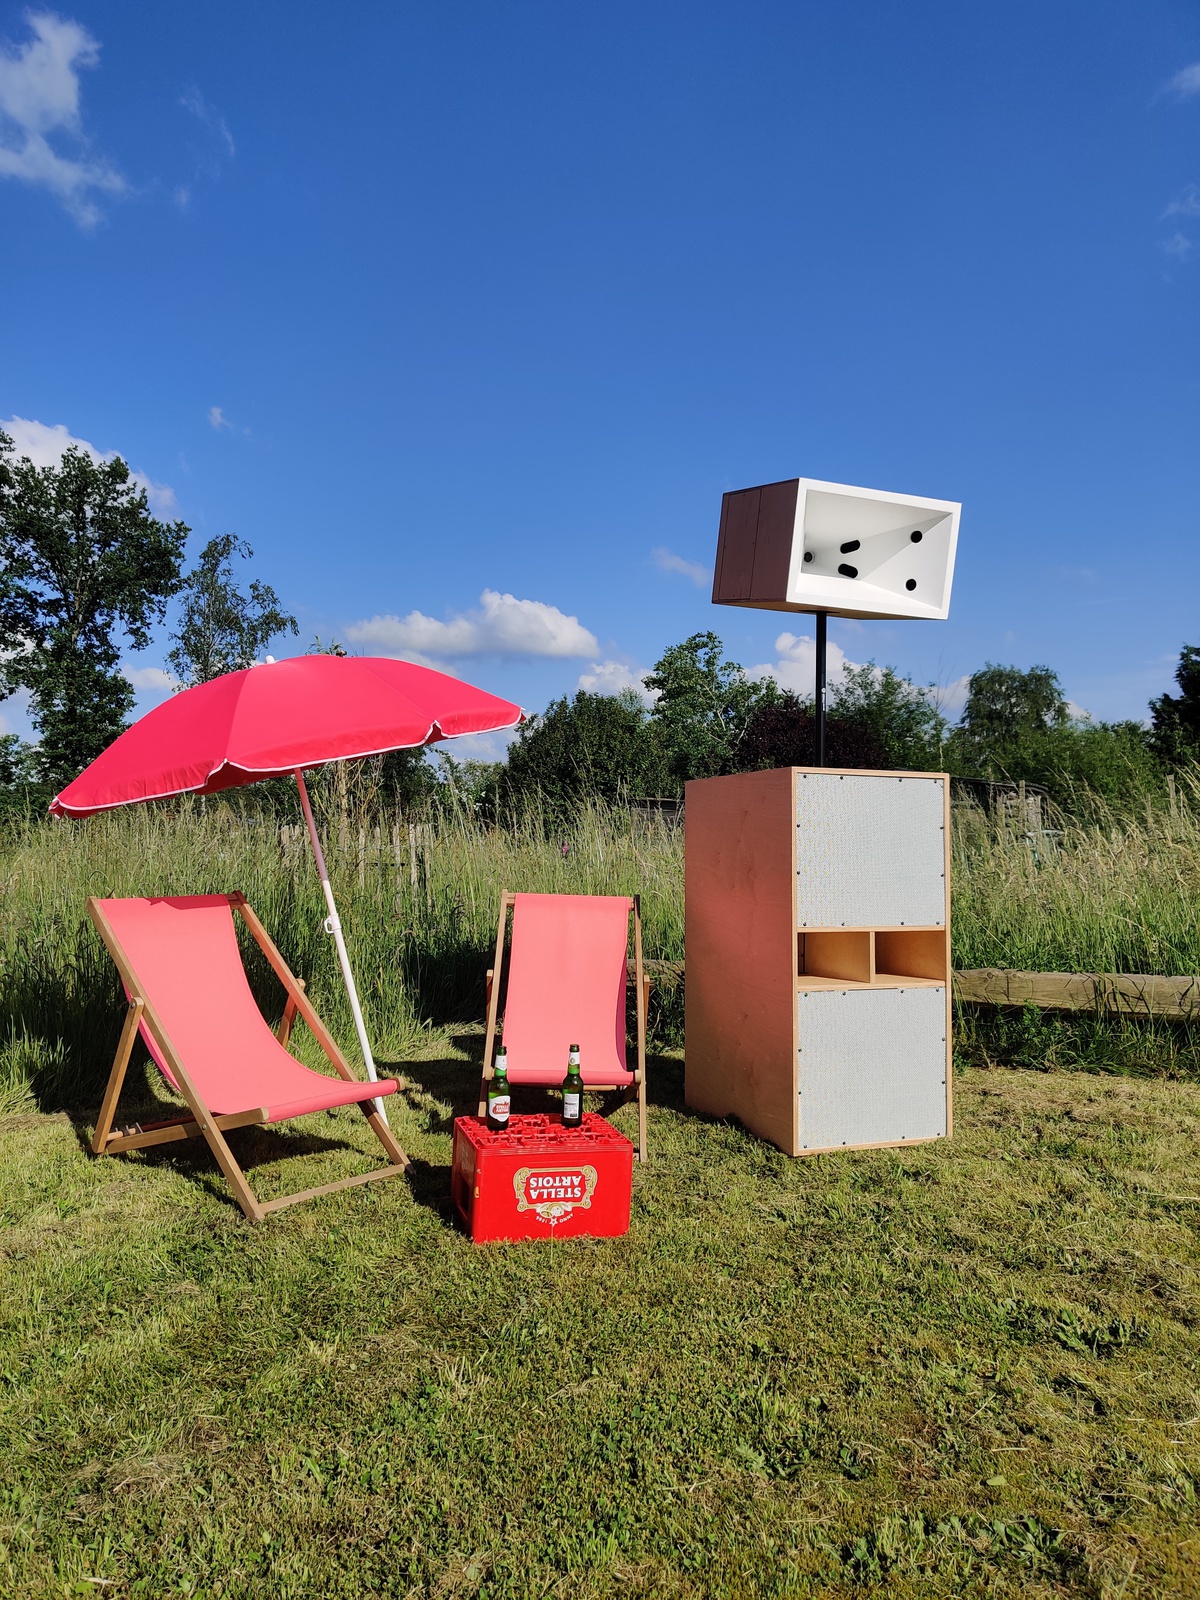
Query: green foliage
pixel 1004 702
pixel 18 761
pixel 222 629
pixel 1175 719
pixel 1016 725
pixel 82 565
pixel 903 718
pixel 704 704
pixel 593 746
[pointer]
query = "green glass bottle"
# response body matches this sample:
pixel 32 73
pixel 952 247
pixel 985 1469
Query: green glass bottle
pixel 499 1096
pixel 572 1091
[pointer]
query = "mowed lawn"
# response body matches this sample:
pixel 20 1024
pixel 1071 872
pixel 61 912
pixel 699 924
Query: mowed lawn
pixel 969 1368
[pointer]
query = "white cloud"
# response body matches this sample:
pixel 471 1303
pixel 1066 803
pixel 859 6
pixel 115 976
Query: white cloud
pixel 667 561
pixel 151 678
pixel 612 677
pixel 218 419
pixel 1186 203
pixel 1185 82
pixel 796 667
pixel 44 445
pixel 192 100
pixel 1179 246
pixel 39 95
pixel 502 625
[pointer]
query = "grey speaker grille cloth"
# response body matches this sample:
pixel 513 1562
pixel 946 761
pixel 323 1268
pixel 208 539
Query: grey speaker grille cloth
pixel 872 1066
pixel 870 852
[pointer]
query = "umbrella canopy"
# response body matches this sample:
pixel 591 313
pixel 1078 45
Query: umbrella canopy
pixel 280 718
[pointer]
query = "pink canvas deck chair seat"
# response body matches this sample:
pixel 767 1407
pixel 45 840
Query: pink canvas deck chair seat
pixel 568 965
pixel 190 1000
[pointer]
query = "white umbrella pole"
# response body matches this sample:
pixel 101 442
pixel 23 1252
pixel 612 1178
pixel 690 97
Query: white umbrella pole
pixel 333 924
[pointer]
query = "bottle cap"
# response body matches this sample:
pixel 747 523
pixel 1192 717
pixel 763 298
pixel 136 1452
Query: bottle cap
pixel 573 1049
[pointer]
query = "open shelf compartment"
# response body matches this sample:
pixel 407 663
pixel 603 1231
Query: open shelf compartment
pixel 870 958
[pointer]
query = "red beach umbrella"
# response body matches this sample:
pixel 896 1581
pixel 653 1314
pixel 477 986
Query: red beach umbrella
pixel 282 717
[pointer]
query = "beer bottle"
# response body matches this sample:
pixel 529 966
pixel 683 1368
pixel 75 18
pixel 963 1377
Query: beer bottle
pixel 499 1096
pixel 572 1091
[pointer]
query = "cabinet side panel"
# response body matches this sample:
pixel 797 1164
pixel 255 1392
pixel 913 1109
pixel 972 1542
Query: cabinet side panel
pixel 773 546
pixel 735 555
pixel 741 964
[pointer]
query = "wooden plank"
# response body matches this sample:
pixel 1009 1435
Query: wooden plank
pixel 882 980
pixel 836 955
pixel 735 558
pixel 140 1138
pixel 267 1206
pixel 1121 994
pixel 740 1058
pixel 773 544
pixel 911 953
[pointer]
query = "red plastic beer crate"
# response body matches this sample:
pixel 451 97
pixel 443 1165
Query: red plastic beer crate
pixel 539 1180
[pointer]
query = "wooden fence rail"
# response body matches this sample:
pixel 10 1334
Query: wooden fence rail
pixel 1121 993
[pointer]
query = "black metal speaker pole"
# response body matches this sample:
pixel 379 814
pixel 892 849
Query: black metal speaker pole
pixel 822 619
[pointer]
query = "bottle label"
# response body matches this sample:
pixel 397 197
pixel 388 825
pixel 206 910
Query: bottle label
pixel 572 1105
pixel 498 1107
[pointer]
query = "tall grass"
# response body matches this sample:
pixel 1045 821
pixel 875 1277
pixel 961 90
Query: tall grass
pixel 1110 889
pixel 1113 888
pixel 418 903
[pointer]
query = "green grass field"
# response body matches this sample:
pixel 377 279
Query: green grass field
pixel 970 1368
pixel 963 1369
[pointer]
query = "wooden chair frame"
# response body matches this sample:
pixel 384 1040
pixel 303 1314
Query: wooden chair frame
pixel 642 998
pixel 200 1120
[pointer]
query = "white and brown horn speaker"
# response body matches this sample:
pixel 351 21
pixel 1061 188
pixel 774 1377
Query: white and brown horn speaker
pixel 806 545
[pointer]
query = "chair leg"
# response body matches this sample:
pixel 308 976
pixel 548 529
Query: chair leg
pixel 116 1077
pixel 284 1032
pixel 643 1028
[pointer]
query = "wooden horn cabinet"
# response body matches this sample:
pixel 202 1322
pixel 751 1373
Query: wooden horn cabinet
pixel 818 956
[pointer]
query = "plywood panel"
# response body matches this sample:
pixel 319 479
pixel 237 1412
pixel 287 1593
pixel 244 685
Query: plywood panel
pixel 836 955
pixel 741 952
pixel 773 543
pixel 872 1067
pixel 735 555
pixel 870 850
pixel 919 953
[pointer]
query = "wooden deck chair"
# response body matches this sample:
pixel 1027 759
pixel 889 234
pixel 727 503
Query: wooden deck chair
pixel 567 970
pixel 189 998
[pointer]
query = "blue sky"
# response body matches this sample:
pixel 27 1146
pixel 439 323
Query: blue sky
pixel 465 316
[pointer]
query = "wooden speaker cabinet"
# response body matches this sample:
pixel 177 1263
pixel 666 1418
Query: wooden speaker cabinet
pixel 818 956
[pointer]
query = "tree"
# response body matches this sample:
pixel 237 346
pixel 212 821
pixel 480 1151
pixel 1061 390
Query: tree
pixel 782 732
pixel 82 563
pixel 703 707
pixel 1004 702
pixel 18 761
pixel 595 745
pixel 1175 718
pixel 222 630
pixel 902 718
pixel 1017 725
